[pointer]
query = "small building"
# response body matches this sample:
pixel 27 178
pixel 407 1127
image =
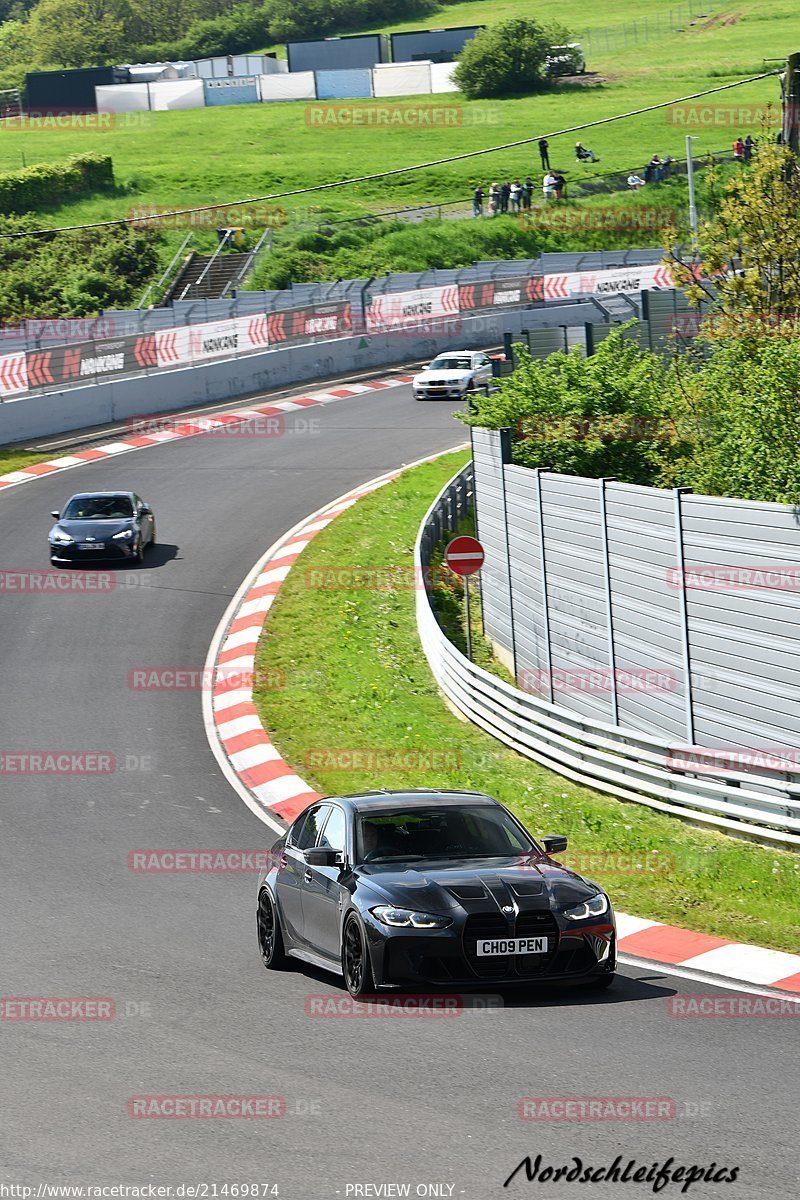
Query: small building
pixel 432 45
pixel 338 53
pixel 70 90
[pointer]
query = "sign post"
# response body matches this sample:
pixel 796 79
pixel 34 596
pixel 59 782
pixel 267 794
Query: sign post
pixel 465 556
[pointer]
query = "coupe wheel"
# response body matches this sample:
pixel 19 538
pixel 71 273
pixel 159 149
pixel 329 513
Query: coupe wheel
pixel 270 938
pixel 139 551
pixel 356 967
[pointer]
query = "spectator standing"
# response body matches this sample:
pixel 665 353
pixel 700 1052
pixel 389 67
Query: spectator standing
pixel 505 192
pixel 477 201
pixel 544 154
pixel 548 185
pixel 559 184
pixel 515 195
pixel 749 147
pixel 527 192
pixel 666 164
pixel 494 199
pixel 738 150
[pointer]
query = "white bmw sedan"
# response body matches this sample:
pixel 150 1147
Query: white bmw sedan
pixel 451 375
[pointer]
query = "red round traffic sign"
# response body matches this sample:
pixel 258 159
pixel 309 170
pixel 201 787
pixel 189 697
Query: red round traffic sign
pixel 464 555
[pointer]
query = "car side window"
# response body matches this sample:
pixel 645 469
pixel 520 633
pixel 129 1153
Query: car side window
pixel 304 831
pixel 334 835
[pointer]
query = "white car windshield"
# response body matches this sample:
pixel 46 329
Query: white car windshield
pixel 451 364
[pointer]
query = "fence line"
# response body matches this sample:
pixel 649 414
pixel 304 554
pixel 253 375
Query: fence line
pixel 624 763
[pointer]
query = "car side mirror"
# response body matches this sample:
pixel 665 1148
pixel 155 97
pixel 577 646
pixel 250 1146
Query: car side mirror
pixel 324 856
pixel 55 513
pixel 146 510
pixel 554 845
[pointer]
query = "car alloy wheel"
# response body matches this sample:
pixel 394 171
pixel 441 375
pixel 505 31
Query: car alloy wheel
pixel 270 938
pixel 355 961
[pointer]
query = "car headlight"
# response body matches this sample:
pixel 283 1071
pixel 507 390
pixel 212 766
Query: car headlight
pixel 123 535
pixel 61 538
pixel 591 908
pixel 406 918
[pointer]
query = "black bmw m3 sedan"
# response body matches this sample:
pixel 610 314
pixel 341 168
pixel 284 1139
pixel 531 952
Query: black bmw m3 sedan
pixel 406 890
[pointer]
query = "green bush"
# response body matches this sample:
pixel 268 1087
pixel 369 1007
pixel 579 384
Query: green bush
pixel 49 184
pixel 507 59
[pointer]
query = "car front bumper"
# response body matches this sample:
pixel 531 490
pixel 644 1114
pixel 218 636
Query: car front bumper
pixel 107 552
pixel 446 957
pixel 449 392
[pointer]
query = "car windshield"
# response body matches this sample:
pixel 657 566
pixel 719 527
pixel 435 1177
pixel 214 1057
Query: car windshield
pixel 98 508
pixel 451 364
pixel 457 831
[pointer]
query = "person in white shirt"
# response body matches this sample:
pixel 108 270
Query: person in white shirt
pixel 549 186
pixel 635 182
pixel 515 195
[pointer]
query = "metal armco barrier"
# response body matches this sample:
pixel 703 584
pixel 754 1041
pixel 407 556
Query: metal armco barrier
pixel 763 805
pixel 189 333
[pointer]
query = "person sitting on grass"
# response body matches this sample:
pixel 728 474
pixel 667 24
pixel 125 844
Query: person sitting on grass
pixel 584 155
pixel 635 182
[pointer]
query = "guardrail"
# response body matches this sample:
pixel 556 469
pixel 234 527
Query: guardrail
pixel 764 806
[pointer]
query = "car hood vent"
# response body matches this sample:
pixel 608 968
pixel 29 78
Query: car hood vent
pixel 468 891
pixel 527 887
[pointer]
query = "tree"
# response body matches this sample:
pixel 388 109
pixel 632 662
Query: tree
pixel 506 59
pixel 750 249
pixel 81 33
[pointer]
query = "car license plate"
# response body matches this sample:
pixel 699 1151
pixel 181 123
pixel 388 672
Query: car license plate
pixel 91 545
pixel 438 391
pixel 529 945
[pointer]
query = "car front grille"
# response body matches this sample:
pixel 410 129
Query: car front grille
pixel 540 923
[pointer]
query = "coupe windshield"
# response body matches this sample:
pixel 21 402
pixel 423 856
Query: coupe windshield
pixel 98 508
pixel 450 364
pixel 468 831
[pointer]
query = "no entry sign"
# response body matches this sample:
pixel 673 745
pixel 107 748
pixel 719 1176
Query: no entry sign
pixel 464 555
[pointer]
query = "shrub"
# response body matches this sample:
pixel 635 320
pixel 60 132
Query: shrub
pixel 504 60
pixel 50 184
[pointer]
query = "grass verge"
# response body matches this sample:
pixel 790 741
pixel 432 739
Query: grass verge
pixel 360 708
pixel 15 460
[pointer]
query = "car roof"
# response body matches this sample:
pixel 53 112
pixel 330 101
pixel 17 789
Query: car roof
pixel 449 353
pixel 91 495
pixel 387 799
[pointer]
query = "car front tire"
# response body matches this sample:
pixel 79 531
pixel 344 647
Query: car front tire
pixel 356 965
pixel 270 936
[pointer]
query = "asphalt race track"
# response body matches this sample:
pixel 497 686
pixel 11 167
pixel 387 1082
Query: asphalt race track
pixel 401 1100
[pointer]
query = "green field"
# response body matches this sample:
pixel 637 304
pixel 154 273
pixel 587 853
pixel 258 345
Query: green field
pixel 356 680
pixel 201 156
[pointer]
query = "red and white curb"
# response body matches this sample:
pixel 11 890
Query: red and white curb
pixel 195 427
pixel 272 789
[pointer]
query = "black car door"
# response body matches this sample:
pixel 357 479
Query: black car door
pixel 323 893
pixel 291 876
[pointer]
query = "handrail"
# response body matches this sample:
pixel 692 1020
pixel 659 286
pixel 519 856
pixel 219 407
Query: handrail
pixel 174 259
pixel 196 282
pixel 249 261
pixel 623 762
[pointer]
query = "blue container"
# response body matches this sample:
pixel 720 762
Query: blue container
pixel 355 84
pixel 230 91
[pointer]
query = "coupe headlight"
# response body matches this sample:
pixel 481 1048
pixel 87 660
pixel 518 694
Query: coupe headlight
pixel 406 918
pixel 123 535
pixel 592 908
pixel 60 538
